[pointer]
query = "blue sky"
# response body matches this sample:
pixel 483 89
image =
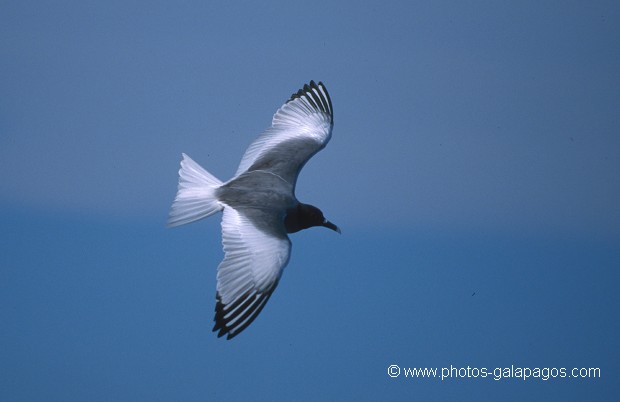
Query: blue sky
pixel 475 152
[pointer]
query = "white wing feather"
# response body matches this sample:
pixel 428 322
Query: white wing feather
pixel 249 273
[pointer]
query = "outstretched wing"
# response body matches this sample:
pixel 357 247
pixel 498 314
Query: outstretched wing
pixel 299 129
pixel 252 266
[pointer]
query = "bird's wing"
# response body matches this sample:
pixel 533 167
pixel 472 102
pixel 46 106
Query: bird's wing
pixel 299 129
pixel 253 263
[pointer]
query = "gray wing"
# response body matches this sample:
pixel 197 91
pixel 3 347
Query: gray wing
pixel 299 129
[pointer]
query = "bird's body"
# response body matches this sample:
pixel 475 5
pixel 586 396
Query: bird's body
pixel 258 189
pixel 259 204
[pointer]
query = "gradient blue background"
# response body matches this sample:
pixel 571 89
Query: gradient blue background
pixel 474 170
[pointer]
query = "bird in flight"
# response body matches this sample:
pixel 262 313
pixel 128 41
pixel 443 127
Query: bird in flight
pixel 259 204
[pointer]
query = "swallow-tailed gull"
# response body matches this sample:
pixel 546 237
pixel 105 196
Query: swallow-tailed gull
pixel 259 206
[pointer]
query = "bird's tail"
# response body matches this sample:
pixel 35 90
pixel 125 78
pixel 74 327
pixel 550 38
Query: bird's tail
pixel 196 197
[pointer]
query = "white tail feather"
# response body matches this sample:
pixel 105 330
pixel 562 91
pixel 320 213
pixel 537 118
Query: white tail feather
pixel 196 198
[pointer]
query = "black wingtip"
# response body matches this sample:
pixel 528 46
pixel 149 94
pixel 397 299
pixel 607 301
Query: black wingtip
pixel 244 311
pixel 317 96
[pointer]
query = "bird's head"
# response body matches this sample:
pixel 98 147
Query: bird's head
pixel 306 216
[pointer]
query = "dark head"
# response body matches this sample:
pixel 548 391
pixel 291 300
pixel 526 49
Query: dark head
pixel 305 216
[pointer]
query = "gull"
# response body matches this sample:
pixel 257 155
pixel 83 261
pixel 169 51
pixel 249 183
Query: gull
pixel 259 204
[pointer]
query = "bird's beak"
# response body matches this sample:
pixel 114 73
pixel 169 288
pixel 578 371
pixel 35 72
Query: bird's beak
pixel 331 226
